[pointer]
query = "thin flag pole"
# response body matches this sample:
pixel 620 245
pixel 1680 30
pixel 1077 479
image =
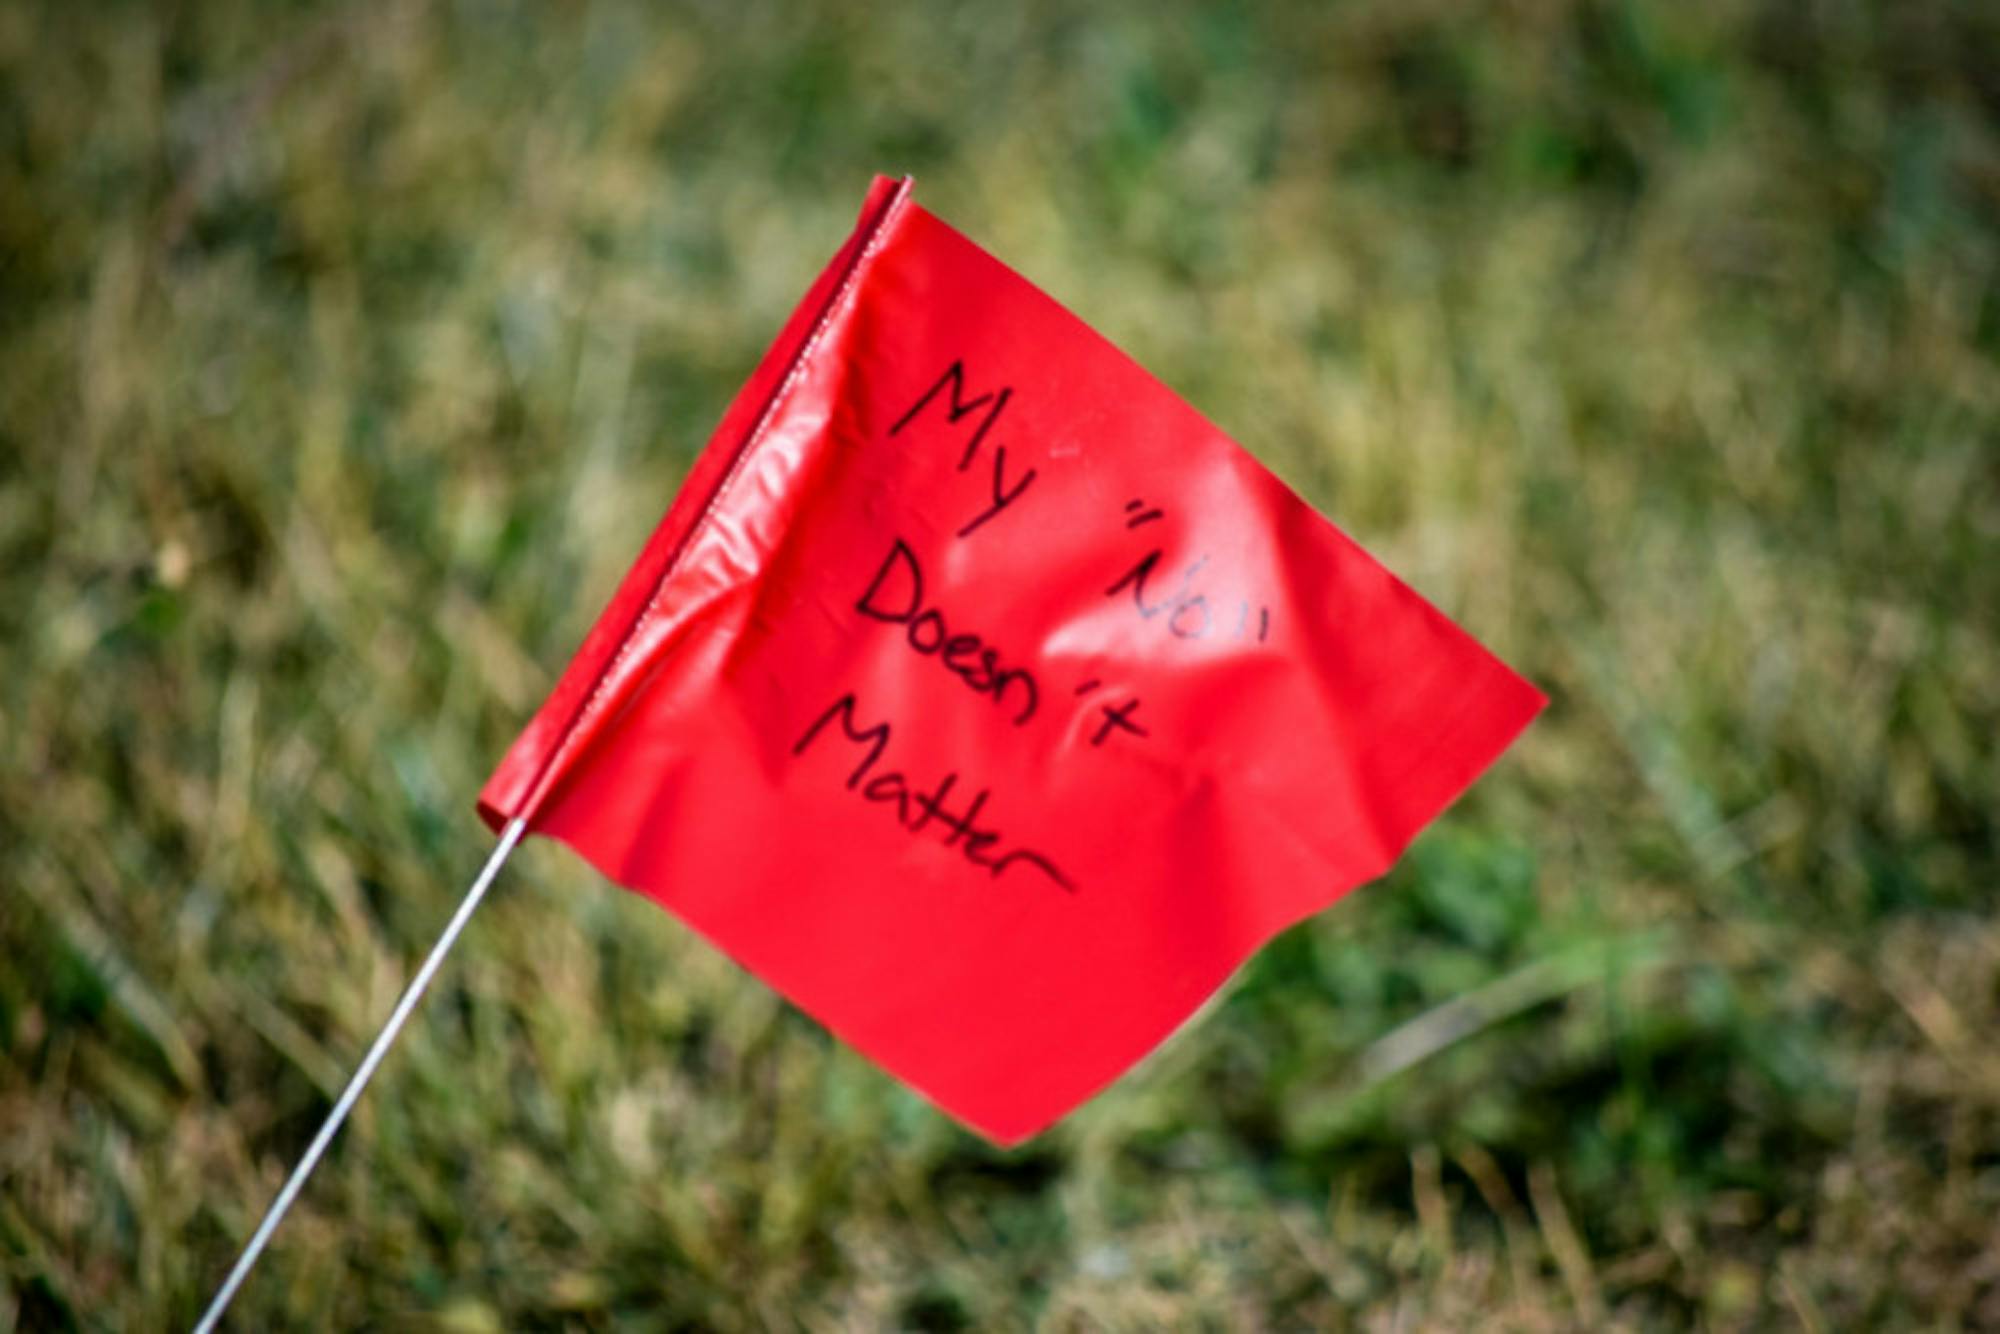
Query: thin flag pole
pixel 413 993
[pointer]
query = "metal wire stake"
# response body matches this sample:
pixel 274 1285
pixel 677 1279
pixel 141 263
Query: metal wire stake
pixel 413 993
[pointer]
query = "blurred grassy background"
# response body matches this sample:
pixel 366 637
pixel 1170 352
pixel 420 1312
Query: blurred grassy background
pixel 347 356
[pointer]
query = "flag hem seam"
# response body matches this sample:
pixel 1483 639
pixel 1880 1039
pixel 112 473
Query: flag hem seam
pixel 559 751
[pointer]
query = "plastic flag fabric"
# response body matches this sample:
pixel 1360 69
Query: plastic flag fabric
pixel 986 700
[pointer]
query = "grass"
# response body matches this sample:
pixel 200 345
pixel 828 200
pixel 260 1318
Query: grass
pixel 346 357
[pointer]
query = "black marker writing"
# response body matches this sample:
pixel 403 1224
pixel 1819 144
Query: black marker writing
pixel 1187 611
pixel 1002 496
pixel 1140 514
pixel 918 810
pixel 896 597
pixel 1119 718
pixel 956 407
pixel 1136 579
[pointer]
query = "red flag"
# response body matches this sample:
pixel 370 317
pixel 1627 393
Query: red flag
pixel 986 700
